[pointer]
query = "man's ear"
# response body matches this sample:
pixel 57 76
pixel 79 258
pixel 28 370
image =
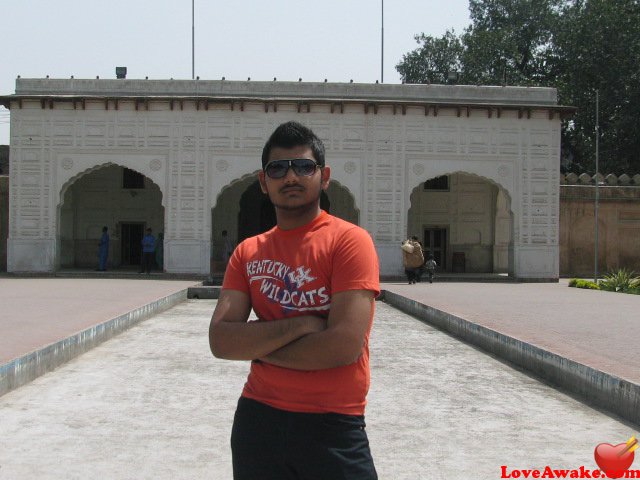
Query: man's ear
pixel 326 176
pixel 263 183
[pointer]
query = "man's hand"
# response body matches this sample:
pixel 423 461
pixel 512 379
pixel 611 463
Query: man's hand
pixel 232 338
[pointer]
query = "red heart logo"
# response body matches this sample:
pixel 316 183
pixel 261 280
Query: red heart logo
pixel 610 461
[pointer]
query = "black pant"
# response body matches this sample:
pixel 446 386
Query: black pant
pixel 413 274
pixel 272 444
pixel 147 261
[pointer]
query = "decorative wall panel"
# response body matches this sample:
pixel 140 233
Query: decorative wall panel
pixel 193 150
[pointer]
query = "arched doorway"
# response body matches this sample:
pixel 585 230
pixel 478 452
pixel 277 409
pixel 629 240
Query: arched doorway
pixel 465 221
pixel 243 211
pixel 119 198
pixel 256 214
pixel 253 200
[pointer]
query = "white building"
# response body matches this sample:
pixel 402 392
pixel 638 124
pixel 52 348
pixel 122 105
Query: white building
pixel 472 171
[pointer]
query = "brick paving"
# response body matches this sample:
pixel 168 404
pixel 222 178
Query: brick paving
pixel 598 329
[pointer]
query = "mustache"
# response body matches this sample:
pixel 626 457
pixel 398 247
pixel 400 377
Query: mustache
pixel 292 187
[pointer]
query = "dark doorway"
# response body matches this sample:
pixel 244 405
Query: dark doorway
pixel 131 241
pixel 257 213
pixel 435 242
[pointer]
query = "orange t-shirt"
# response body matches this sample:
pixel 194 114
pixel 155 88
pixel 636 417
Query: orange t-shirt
pixel 288 273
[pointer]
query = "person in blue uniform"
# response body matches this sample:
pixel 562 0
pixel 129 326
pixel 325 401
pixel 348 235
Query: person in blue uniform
pixel 148 251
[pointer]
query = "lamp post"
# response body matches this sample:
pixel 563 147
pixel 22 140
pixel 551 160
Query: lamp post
pixel 595 266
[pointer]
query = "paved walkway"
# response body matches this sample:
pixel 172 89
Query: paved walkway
pixel 153 403
pixel 597 329
pixel 429 399
pixel 36 312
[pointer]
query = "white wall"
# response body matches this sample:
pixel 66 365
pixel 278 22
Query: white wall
pixel 192 153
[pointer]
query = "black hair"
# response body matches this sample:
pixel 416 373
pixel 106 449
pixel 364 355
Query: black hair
pixel 104 229
pixel 294 134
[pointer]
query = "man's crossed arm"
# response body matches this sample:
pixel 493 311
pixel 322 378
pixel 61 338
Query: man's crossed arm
pixel 304 343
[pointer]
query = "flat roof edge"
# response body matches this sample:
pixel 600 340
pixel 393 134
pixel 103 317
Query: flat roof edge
pixel 214 88
pixel 417 102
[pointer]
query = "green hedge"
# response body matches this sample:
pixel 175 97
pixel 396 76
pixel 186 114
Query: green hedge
pixel 622 280
pixel 579 283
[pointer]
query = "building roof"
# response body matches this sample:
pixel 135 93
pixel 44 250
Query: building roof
pixel 204 92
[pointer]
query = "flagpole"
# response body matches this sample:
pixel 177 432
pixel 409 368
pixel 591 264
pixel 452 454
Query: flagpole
pixel 193 41
pixel 382 46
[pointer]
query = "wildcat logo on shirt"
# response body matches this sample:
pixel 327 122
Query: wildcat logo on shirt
pixel 283 284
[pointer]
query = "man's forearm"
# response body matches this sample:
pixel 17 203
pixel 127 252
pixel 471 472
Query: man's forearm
pixel 316 351
pixel 252 340
pixel 340 344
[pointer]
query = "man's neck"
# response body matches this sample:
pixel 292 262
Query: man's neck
pixel 290 219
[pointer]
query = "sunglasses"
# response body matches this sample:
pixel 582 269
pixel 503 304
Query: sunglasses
pixel 302 167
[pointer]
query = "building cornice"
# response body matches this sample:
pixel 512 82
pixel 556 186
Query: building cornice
pixel 303 104
pixel 463 99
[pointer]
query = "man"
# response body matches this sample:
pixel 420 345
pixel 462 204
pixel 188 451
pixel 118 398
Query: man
pixel 148 251
pixel 103 250
pixel 412 259
pixel 312 282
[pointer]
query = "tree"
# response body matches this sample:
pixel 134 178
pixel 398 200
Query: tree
pixel 597 47
pixel 577 46
pixel 509 41
pixel 432 62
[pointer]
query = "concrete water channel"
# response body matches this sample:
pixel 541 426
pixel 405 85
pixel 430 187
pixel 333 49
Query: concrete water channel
pixel 154 403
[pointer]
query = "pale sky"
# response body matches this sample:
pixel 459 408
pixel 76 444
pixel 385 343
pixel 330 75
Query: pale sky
pixel 338 40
